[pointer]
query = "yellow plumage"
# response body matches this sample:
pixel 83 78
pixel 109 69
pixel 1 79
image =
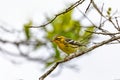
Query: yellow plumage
pixel 66 45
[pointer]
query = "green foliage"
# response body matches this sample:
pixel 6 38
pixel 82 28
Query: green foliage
pixel 57 55
pixel 65 25
pixel 86 37
pixel 27 30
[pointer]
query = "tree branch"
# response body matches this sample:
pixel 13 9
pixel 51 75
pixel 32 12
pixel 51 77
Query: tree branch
pixel 77 55
pixel 49 71
pixel 98 10
pixel 67 10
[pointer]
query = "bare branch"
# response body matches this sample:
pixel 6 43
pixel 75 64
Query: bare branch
pixel 113 23
pixel 99 28
pixel 102 33
pixel 95 6
pixel 100 25
pixel 23 42
pixel 67 10
pixel 86 17
pixel 49 71
pixel 118 26
pixel 98 10
pixel 88 7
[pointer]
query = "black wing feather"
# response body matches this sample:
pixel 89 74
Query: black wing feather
pixel 70 41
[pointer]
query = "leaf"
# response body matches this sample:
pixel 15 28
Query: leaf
pixel 57 53
pixel 109 11
pixel 27 30
pixel 60 25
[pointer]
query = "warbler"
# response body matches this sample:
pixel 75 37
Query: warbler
pixel 67 45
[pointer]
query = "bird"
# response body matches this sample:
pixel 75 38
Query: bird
pixel 67 45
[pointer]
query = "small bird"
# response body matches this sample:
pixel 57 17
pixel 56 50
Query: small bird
pixel 67 45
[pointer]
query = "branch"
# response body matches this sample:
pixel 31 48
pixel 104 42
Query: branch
pixel 49 71
pixel 23 42
pixel 99 28
pixel 21 53
pixel 104 33
pixel 118 26
pixel 77 55
pixel 98 10
pixel 67 10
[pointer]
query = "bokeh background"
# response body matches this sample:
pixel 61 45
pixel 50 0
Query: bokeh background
pixel 15 64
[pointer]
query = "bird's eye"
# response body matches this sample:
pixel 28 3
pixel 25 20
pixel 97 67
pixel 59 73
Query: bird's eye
pixel 57 38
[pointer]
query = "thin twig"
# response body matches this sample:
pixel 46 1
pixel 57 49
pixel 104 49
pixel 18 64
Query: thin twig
pixel 117 23
pixel 88 7
pixel 103 30
pixel 86 16
pixel 113 23
pixel 67 10
pixel 102 33
pixel 95 6
pixel 101 16
pixel 49 71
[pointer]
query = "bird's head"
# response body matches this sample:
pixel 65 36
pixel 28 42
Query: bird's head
pixel 58 39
